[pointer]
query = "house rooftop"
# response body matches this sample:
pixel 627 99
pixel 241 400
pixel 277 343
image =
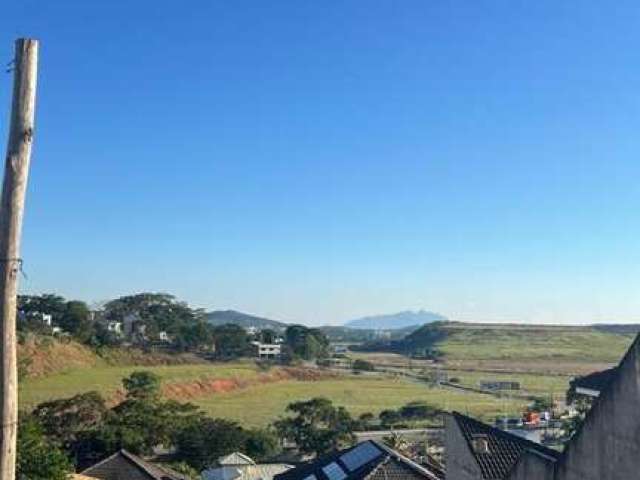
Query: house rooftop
pixel 596 381
pixel 235 458
pixel 367 460
pixel 124 465
pixel 496 451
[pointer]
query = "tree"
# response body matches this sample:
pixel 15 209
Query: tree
pixel 66 419
pixel 203 441
pixel 418 411
pixel 141 422
pixel 318 426
pixel 306 343
pixel 75 320
pixel 360 365
pixel 365 419
pixel 389 418
pixel 142 385
pixel 31 308
pixel 267 335
pixel 38 457
pixel 231 341
pixel 262 444
pixel 160 312
pixel 541 404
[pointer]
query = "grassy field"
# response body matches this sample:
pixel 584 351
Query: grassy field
pixel 107 380
pixel 541 385
pixel 259 405
pixel 522 343
pixel 542 359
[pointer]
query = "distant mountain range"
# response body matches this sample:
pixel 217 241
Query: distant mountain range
pixel 220 317
pixel 396 320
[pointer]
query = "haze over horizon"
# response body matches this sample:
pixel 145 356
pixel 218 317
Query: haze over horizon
pixel 320 161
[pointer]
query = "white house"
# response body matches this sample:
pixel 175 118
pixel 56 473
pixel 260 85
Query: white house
pixel 267 350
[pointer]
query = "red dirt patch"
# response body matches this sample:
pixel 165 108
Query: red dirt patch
pixel 211 386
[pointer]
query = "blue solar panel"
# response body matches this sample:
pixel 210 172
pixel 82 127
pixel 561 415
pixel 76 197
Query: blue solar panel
pixel 363 453
pixel 334 472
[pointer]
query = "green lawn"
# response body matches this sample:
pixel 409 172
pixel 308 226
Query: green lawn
pixel 260 405
pixel 107 380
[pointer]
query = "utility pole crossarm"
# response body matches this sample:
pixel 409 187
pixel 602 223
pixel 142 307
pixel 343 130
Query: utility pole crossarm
pixel 16 172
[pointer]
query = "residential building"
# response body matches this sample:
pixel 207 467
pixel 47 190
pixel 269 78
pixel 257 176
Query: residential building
pixel 123 465
pixel 368 460
pixel 267 350
pixel 590 386
pixel 476 451
pixel 238 466
pixel 605 447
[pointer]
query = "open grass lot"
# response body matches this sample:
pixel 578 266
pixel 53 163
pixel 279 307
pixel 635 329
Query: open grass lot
pixel 481 342
pixel 107 380
pixel 541 385
pixel 519 349
pixel 259 405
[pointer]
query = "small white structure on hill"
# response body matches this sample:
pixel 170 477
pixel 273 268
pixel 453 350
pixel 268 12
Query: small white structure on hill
pixel 267 350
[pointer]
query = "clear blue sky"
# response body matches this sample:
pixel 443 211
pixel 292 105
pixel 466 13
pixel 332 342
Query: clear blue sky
pixel 321 160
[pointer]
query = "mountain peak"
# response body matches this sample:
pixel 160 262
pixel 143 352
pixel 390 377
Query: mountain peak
pixel 394 321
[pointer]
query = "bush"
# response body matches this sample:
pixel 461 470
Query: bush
pixel 418 411
pixel 363 366
pixel 389 418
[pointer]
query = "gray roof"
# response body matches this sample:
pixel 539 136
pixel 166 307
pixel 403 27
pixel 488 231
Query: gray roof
pixel 265 471
pixel 367 460
pixel 504 449
pixel 124 465
pixel 235 458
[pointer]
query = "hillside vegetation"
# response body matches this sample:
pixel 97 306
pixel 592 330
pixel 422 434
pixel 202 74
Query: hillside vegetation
pixel 222 317
pixel 40 356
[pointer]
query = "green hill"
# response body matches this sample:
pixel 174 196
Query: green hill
pixel 221 317
pixel 473 341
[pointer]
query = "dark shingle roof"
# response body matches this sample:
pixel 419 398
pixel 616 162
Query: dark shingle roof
pixel 367 460
pixel 597 381
pixel 123 464
pixel 504 449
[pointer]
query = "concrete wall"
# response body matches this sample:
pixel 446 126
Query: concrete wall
pixel 608 445
pixel 533 466
pixel 460 462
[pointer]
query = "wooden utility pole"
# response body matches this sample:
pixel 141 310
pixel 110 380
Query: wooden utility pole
pixel 16 171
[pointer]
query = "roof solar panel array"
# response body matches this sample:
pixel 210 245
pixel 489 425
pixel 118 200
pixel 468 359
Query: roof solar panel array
pixel 363 453
pixel 334 472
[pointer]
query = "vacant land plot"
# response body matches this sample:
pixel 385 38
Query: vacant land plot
pixel 108 380
pixel 520 349
pixel 559 344
pixel 260 405
pixel 540 385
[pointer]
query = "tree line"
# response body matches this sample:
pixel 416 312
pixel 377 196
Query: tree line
pixel 158 319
